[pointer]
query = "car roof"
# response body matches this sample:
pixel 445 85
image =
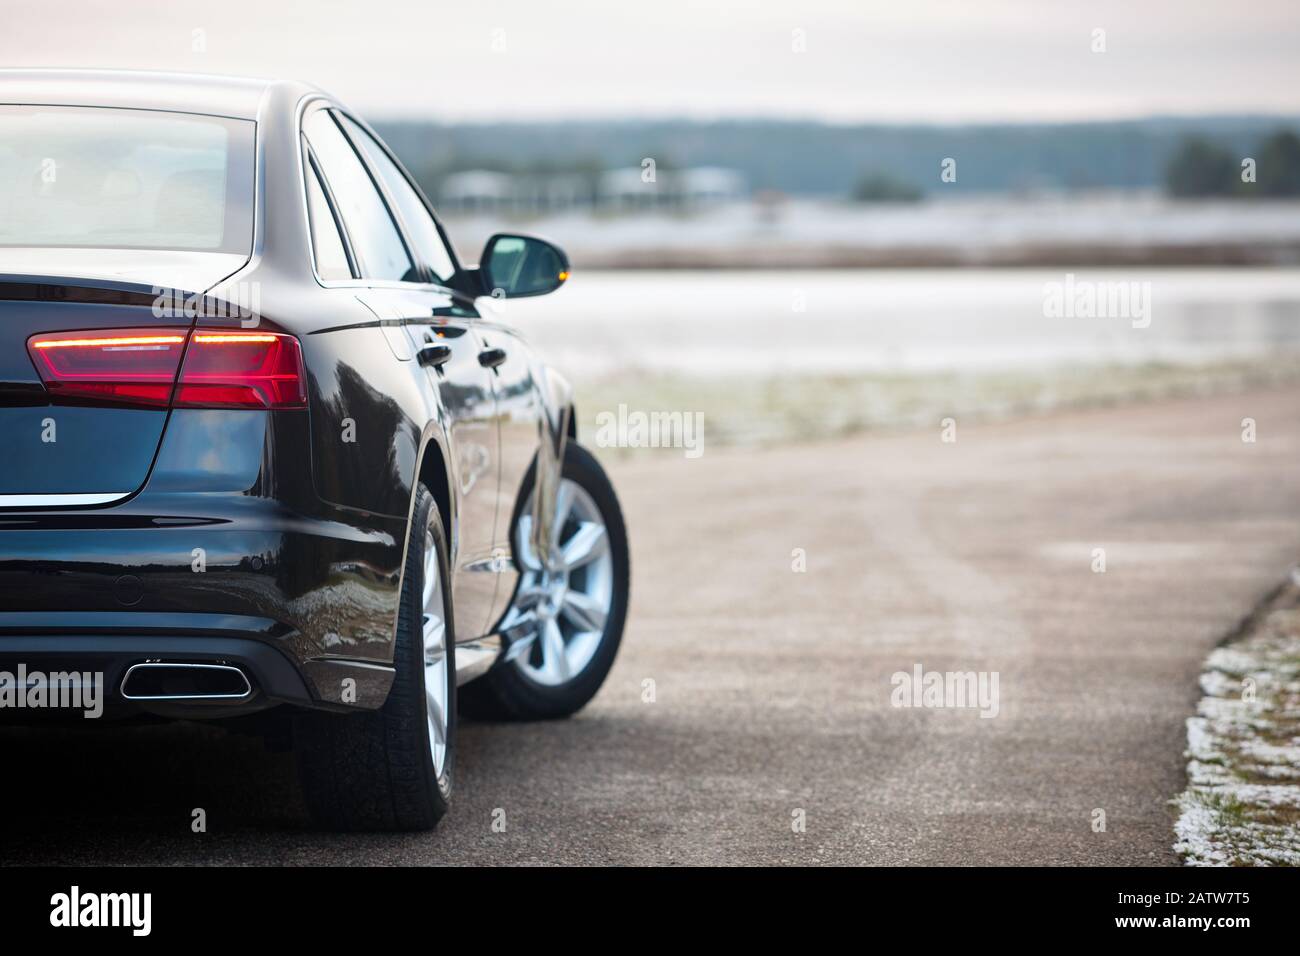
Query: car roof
pixel 233 96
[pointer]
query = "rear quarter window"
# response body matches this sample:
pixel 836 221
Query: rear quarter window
pixel 376 242
pixel 327 245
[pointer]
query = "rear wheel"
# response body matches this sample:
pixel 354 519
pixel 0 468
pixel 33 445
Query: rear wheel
pixel 392 769
pixel 566 620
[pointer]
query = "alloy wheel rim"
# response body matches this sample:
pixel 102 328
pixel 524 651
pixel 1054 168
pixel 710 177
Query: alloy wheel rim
pixel 434 627
pixel 564 597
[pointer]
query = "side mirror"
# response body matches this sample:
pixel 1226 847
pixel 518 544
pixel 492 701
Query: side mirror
pixel 513 267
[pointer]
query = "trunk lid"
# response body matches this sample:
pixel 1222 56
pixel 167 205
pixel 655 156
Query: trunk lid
pixel 99 452
pixel 125 269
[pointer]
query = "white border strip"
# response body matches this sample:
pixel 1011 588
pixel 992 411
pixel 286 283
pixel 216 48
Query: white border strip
pixel 54 501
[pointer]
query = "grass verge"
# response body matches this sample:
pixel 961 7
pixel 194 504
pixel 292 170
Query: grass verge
pixel 1242 802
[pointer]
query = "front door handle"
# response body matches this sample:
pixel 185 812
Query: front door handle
pixel 431 356
pixel 491 358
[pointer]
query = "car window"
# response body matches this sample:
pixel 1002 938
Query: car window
pixel 100 178
pixel 420 227
pixel 331 259
pixel 376 243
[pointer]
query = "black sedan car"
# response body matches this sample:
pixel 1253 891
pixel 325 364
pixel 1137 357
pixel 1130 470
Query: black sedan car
pixel 267 443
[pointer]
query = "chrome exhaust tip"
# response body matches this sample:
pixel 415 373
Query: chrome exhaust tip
pixel 158 680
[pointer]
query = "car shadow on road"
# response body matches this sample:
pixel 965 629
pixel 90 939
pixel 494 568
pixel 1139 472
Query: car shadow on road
pixel 141 781
pixel 134 794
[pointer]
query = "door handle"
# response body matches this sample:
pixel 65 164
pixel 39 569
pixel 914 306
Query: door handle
pixel 491 358
pixel 431 356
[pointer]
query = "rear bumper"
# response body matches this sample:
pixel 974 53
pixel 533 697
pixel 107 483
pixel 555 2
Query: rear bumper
pixel 103 648
pixel 226 554
pixel 105 657
pixel 305 606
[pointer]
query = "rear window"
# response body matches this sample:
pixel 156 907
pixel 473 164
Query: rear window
pixel 125 179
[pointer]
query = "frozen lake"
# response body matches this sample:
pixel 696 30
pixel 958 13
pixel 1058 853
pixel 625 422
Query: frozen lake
pixel 731 322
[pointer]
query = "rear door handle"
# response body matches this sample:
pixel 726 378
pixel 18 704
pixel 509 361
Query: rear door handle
pixel 491 358
pixel 431 356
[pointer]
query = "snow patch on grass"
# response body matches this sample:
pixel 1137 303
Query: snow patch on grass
pixel 1242 803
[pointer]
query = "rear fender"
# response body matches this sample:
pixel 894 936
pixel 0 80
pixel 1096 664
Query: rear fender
pixel 433 458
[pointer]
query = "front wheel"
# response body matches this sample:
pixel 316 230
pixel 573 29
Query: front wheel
pixel 566 621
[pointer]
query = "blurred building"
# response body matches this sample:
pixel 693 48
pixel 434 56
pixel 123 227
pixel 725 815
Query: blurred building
pixel 694 187
pixel 476 190
pixel 481 191
pixel 709 185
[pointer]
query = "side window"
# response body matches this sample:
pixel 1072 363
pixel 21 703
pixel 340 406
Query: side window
pixel 331 259
pixel 420 227
pixel 376 243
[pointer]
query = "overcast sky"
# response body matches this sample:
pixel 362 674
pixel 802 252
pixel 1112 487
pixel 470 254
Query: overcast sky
pixel 902 60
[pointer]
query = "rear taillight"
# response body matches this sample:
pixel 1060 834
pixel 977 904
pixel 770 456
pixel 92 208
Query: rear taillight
pixel 120 367
pixel 242 370
pixel 139 367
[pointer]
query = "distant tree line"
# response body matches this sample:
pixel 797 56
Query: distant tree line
pixel 877 162
pixel 881 187
pixel 1202 167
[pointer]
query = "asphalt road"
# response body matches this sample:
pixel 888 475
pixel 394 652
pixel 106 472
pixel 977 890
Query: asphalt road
pixel 772 688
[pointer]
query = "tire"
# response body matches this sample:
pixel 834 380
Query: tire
pixel 376 771
pixel 508 692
